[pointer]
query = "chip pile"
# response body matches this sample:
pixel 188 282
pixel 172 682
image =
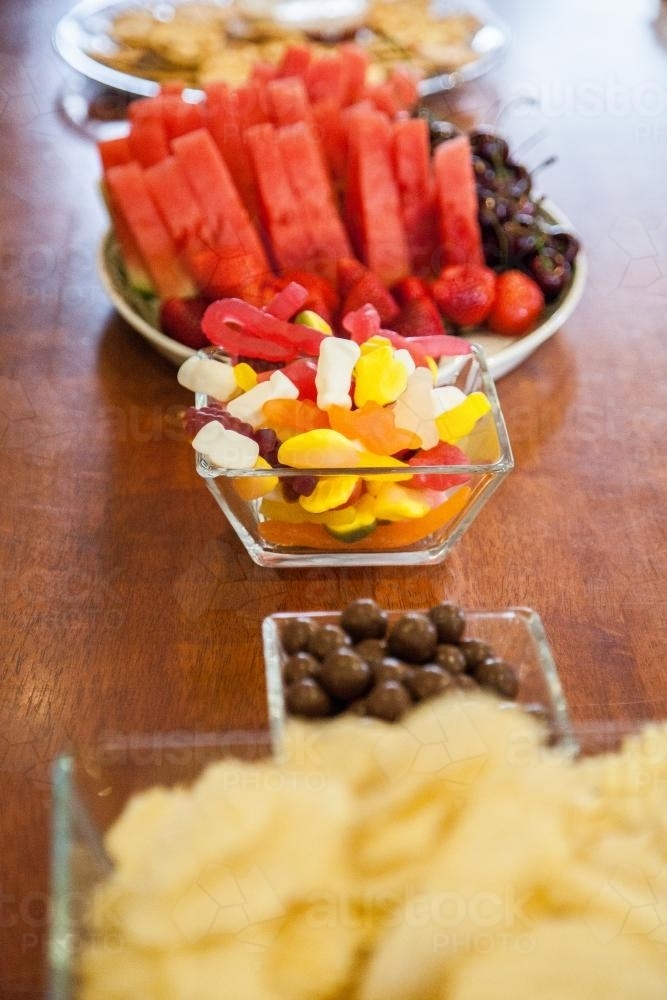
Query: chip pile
pixel 451 856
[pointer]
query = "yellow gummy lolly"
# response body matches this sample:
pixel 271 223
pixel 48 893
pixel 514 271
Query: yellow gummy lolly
pixel 314 321
pixel 375 341
pixel 399 503
pixel 246 377
pixel 456 423
pixel 320 449
pixel 330 492
pixel 379 377
pixel 254 487
pixel 324 448
pixel 294 513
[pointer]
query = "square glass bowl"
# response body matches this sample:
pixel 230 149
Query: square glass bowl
pixel 90 790
pixel 276 531
pixel 516 635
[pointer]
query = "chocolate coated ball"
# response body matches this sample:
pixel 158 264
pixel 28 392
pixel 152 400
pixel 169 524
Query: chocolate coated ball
pixel 391 669
pixel 325 639
pixel 372 650
pixel 306 697
pixel 499 676
pixel 388 700
pixel 413 638
pixel 474 651
pixel 298 666
pixel 364 619
pixel 429 680
pixel 449 620
pixel 296 635
pixel 450 658
pixel 345 675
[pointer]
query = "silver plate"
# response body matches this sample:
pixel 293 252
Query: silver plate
pixel 85 29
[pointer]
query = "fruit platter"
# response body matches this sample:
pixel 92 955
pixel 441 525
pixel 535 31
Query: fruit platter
pixel 310 173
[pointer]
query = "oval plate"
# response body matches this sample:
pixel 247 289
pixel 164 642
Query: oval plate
pixel 503 354
pixel 84 29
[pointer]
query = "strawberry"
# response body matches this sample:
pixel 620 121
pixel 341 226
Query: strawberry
pixel 419 318
pixel 348 272
pixel 370 290
pixel 181 320
pixel 518 303
pixel 407 289
pixel 464 293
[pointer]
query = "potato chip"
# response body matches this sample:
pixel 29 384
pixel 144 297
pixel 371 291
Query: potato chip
pixel 452 856
pixel 563 960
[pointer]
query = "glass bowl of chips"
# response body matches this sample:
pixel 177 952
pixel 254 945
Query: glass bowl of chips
pixel 185 861
pixel 91 789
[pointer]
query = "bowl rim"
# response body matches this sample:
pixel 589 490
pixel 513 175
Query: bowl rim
pixel 503 464
pixel 530 619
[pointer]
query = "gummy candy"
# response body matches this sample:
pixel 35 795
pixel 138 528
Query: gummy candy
pixel 374 426
pixel 334 372
pixel 379 377
pixel 456 423
pixel 293 416
pixel 415 409
pixel 361 419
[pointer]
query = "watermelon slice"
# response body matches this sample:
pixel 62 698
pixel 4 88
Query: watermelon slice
pixel 295 61
pixel 228 230
pixel 311 189
pixel 412 166
pixel 331 127
pixel 287 101
pixel 373 207
pixel 132 201
pixel 179 116
pixel 263 72
pixel 114 152
pixel 326 80
pixel 456 198
pixel 148 140
pixel 281 214
pixel 225 118
pixel 355 62
pixel 173 196
pixel 135 269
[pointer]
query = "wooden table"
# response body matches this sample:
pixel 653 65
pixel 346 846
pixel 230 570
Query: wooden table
pixel 127 604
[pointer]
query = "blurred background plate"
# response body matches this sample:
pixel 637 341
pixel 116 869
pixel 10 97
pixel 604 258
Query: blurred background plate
pixel 83 39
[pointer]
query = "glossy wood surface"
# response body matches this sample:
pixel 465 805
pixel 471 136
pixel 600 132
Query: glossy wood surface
pixel 127 604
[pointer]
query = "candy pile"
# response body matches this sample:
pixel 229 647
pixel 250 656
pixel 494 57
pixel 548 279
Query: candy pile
pixel 364 664
pixel 367 408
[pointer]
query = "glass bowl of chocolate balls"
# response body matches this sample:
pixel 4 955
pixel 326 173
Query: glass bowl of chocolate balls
pixel 374 663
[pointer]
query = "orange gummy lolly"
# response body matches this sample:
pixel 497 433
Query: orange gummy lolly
pixel 293 416
pixel 374 426
pixel 385 536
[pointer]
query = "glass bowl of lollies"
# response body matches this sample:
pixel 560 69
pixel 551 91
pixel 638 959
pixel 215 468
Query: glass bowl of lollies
pixel 363 455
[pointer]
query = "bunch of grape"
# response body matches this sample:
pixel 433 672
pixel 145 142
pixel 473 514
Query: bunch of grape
pixel 515 230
